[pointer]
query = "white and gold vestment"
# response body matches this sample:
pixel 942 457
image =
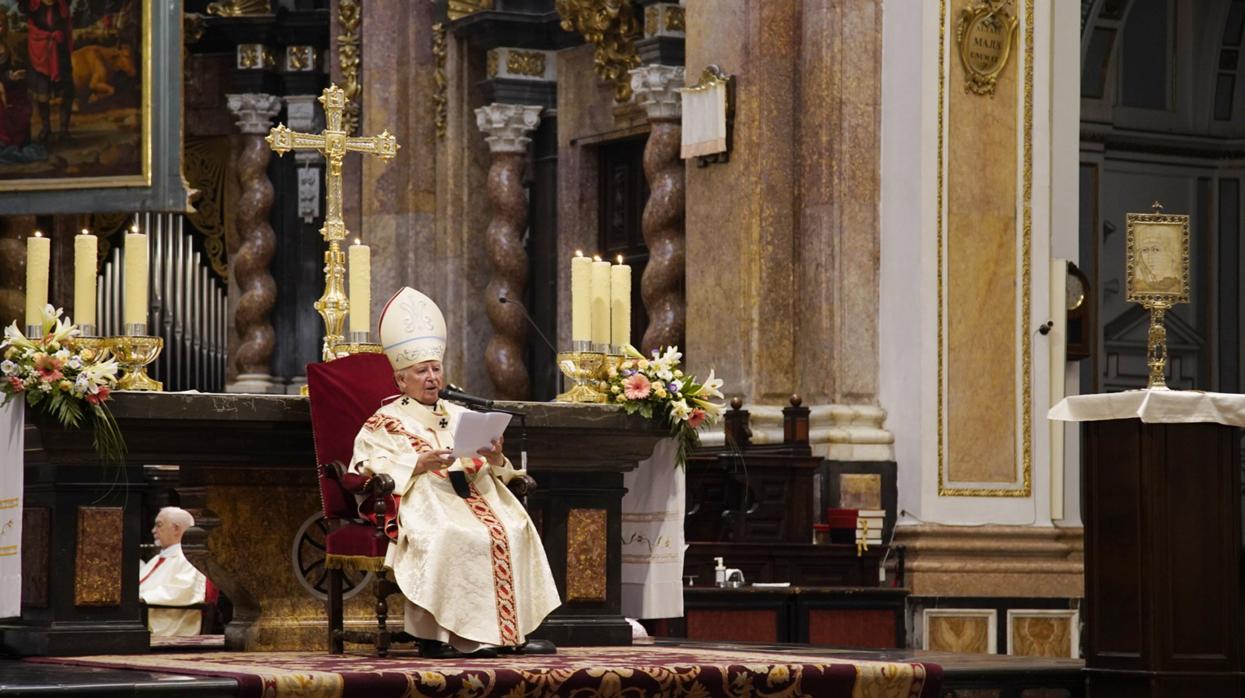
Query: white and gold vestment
pixel 473 570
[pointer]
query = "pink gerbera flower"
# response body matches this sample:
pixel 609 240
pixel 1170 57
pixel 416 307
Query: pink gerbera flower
pixel 17 384
pixel 696 418
pixel 49 367
pixel 637 387
pixel 98 397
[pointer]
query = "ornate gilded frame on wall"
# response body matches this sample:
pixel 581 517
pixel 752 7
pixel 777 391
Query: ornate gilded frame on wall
pixel 1026 480
pixel 984 36
pixel 157 183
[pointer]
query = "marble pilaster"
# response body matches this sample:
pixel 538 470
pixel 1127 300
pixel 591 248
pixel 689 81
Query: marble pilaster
pixel 250 264
pixel 656 88
pixel 398 201
pixel 507 129
pixel 790 302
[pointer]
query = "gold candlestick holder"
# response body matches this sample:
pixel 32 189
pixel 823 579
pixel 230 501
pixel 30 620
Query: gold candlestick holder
pixel 91 349
pixel 584 369
pixel 134 353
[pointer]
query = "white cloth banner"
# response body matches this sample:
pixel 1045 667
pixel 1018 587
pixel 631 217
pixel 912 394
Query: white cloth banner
pixel 1153 407
pixel 652 536
pixel 12 424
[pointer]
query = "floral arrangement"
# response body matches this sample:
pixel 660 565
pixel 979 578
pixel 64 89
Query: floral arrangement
pixel 658 389
pixel 62 380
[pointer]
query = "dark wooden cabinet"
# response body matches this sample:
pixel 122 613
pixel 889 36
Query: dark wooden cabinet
pixel 1162 513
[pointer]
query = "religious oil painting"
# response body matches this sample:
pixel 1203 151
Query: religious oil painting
pixel 74 94
pixel 1158 257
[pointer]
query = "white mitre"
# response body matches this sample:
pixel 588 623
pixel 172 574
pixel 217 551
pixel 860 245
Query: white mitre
pixel 412 329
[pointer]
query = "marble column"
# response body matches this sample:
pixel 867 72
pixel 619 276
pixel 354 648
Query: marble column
pixel 250 264
pixel 656 88
pixel 507 127
pixel 13 232
pixel 302 114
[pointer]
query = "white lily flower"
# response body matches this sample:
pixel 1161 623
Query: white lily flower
pixel 711 387
pixel 7 367
pixel 679 411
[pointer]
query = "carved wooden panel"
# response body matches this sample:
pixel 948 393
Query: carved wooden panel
pixel 36 532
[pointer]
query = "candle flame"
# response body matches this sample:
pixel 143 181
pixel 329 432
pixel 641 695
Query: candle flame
pixel 86 231
pixel 357 241
pixel 579 253
pixel 38 233
pixel 596 257
pixel 134 228
pixel 620 259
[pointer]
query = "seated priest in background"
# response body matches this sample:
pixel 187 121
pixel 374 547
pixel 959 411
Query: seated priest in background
pixel 471 566
pixel 169 579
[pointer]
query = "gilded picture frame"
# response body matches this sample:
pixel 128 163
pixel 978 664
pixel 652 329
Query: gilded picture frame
pixel 1157 263
pixel 116 76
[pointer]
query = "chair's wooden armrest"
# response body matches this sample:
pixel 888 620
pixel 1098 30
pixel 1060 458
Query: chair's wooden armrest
pixel 379 485
pixel 522 485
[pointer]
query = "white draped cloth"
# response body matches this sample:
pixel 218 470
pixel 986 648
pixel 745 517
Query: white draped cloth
pixel 652 536
pixel 12 424
pixel 1154 407
pixel 169 579
pixel 473 570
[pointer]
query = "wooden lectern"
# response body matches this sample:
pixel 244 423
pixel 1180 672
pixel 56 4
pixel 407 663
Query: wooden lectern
pixel 1162 513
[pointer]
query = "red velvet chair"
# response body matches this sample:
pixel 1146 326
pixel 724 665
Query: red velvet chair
pixel 343 394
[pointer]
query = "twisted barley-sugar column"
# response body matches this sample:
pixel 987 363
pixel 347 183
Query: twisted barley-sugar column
pixel 504 356
pixel 661 287
pixel 253 317
pixel 506 127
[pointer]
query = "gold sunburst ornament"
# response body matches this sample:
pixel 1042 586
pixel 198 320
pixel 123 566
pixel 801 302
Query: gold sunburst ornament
pixel 1157 277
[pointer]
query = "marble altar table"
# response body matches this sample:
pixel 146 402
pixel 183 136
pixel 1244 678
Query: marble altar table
pixel 246 469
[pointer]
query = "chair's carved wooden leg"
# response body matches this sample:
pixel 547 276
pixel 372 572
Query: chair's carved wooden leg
pixel 334 607
pixel 382 614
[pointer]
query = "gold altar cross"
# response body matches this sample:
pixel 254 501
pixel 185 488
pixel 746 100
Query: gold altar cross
pixel 333 143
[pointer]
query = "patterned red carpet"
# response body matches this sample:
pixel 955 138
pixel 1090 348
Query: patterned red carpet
pixel 574 671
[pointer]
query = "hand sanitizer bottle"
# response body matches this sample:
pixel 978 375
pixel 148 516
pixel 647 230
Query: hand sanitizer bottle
pixel 719 573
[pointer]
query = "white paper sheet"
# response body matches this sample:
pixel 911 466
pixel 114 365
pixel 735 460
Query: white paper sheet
pixel 477 430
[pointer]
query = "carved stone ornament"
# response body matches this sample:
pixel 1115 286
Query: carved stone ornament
pixel 439 99
pixel 657 88
pixel 612 27
pixel 461 8
pixel 521 64
pixel 984 35
pixel 254 111
pixel 506 126
pixel 238 8
pixel 349 54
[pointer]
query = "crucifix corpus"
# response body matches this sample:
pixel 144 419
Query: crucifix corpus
pixel 333 143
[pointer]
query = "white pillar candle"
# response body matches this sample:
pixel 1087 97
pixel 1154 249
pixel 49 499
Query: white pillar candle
pixel 600 301
pixel 620 304
pixel 581 298
pixel 360 287
pixel 85 252
pixel 134 311
pixel 38 258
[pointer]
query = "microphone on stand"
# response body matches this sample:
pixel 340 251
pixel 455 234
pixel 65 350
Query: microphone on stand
pixel 530 321
pixel 453 393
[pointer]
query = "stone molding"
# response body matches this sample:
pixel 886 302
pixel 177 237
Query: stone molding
pixel 254 111
pixel 838 432
pixel 656 87
pixel 993 560
pixel 506 126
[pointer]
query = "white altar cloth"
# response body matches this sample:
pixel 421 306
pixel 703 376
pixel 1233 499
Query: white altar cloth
pixel 1153 407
